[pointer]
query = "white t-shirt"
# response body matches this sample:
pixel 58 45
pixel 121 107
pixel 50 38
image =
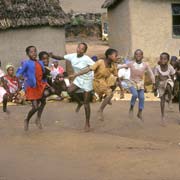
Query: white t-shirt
pixel 124 73
pixel 79 63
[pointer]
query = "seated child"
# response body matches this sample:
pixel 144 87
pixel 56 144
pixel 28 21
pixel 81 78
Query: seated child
pixel 56 69
pixel 12 88
pixel 124 76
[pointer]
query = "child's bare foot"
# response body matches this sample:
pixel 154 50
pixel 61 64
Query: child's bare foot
pixel 139 115
pixel 78 108
pixel 4 109
pixel 87 128
pixel 170 106
pixel 131 112
pixel 163 122
pixel 26 125
pixel 100 115
pixel 38 123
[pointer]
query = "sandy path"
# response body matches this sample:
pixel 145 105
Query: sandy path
pixel 116 149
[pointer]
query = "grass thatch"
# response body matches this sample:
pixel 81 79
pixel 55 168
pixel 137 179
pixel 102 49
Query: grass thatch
pixel 22 13
pixel 110 3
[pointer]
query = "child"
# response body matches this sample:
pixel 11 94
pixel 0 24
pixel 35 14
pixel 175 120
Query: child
pixel 105 76
pixel 83 83
pixel 56 69
pixel 12 87
pixel 124 76
pixel 55 86
pixel 164 75
pixel 35 85
pixel 138 69
pixel 44 57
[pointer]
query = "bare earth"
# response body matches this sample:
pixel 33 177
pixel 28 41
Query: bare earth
pixel 116 149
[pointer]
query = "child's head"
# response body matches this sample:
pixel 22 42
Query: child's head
pixel 82 49
pixel 173 61
pixel 31 52
pixel 164 58
pixel 138 55
pixel 55 63
pixel 10 69
pixel 44 56
pixel 94 58
pixel 111 54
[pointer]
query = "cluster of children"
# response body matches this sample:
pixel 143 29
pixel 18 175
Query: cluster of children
pixel 101 76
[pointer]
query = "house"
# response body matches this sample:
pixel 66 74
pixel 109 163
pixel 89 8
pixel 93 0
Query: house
pixel 35 22
pixel 151 25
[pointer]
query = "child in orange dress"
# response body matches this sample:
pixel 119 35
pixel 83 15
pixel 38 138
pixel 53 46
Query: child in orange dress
pixel 33 70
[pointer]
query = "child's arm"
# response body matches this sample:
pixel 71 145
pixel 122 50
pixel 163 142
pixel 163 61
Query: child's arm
pixel 55 56
pixel 84 71
pixel 120 66
pixel 22 70
pixel 151 74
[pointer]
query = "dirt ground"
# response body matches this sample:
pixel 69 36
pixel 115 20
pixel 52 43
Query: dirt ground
pixel 118 148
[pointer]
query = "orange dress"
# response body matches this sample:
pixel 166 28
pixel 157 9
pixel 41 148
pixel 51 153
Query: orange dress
pixel 36 92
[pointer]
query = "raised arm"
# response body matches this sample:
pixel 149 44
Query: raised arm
pixel 55 56
pixel 120 66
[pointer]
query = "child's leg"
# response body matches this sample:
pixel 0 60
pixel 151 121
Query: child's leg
pixel 133 98
pixel 5 101
pixel 169 91
pixel 121 89
pixel 87 109
pixel 35 105
pixel 141 103
pixel 106 101
pixel 162 104
pixel 39 112
pixel 71 91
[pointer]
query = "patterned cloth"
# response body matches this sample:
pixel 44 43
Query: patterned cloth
pixel 56 71
pixel 11 87
pixel 138 73
pixel 11 84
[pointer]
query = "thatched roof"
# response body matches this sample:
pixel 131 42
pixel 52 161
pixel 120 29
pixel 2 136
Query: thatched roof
pixel 23 13
pixel 110 3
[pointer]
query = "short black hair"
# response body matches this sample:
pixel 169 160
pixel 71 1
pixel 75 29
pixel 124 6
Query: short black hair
pixel 110 51
pixel 85 45
pixel 166 54
pixel 28 49
pixel 42 53
pixel 138 50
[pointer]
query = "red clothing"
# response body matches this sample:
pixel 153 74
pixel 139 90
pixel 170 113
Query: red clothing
pixel 11 84
pixel 37 92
